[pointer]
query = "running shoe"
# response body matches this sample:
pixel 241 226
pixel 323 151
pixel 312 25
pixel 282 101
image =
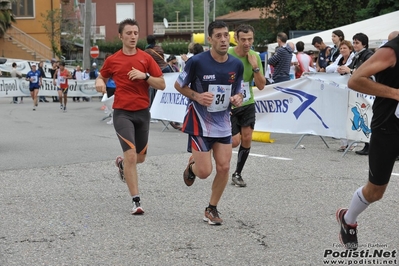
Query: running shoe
pixel 119 164
pixel 212 216
pixel 348 232
pixel 65 109
pixel 237 180
pixel 137 209
pixel 188 175
pixel 61 107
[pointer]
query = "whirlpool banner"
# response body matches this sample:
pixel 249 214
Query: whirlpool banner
pixel 15 87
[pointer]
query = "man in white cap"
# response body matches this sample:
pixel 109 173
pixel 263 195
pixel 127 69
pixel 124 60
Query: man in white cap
pixel 35 81
pixel 94 72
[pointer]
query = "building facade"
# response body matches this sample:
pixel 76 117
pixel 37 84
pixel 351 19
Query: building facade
pixel 28 39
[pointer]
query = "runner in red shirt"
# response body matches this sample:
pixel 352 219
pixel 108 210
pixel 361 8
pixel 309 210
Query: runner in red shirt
pixel 62 75
pixel 133 71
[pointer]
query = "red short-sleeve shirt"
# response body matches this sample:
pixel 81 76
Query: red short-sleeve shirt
pixel 130 95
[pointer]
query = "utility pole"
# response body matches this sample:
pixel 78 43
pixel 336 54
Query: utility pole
pixel 206 21
pixel 192 15
pixel 87 35
pixel 52 27
pixel 206 17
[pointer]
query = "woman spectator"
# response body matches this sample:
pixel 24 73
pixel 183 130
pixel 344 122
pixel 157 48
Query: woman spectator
pixel 345 57
pixel 337 37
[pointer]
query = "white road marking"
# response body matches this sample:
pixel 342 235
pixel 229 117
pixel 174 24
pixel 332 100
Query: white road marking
pixel 267 156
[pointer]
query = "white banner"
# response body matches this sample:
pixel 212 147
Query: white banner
pixel 317 104
pixel 15 87
pixel 23 66
pixel 169 104
pixel 302 106
pixel 359 116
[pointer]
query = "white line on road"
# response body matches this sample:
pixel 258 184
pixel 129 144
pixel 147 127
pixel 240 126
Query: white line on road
pixel 267 156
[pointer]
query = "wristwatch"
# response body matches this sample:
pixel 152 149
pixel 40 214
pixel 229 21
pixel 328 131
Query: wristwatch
pixel 147 76
pixel 256 70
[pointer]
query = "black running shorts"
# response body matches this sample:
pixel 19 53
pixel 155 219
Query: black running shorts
pixel 243 116
pixel 132 129
pixel 383 150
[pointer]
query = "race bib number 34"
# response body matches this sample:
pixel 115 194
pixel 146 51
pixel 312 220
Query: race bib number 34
pixel 221 97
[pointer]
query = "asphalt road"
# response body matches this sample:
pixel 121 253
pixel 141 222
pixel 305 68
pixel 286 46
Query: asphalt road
pixel 61 201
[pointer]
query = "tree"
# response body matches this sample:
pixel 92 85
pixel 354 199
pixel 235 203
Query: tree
pixel 376 8
pixel 54 24
pixel 289 15
pixel 6 17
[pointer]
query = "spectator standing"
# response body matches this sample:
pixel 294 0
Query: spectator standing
pixel 281 60
pixel 77 75
pixel 212 82
pixel 337 37
pixel 172 62
pixel 190 53
pixel 43 75
pixel 197 48
pixel 243 117
pixel 324 54
pixel 133 71
pixel 35 81
pixel 86 74
pixel 305 61
pixel 344 59
pixel 294 61
pixel 14 73
pixel 54 68
pixel 157 54
pixel 94 71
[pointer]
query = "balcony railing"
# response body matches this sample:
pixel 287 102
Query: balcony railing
pixel 96 32
pixel 194 27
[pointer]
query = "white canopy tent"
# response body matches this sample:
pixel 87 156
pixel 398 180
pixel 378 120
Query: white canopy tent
pixel 377 29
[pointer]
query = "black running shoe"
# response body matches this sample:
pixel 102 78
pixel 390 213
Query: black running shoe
pixel 188 175
pixel 212 216
pixel 237 180
pixel 348 232
pixel 137 209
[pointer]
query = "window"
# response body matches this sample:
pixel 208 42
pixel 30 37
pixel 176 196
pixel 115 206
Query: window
pixel 124 11
pixel 23 8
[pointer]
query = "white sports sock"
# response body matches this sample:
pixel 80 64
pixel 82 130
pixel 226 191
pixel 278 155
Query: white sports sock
pixel 357 206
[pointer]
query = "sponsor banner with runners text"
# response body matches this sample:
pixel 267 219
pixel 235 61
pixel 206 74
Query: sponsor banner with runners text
pixel 316 104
